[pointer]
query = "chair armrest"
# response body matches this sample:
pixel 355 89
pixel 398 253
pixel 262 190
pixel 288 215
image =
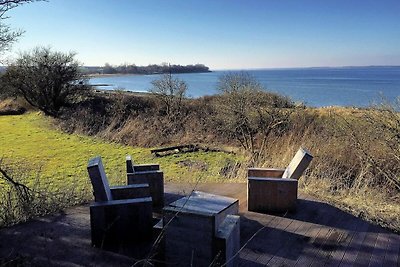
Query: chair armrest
pixel 272 179
pixel 121 202
pixel 265 172
pixel 146 167
pixel 130 191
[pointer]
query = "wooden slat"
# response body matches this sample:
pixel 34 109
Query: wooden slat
pixel 355 244
pixel 250 224
pixel 380 246
pixel 278 228
pixel 364 254
pixel 287 249
pixel 332 241
pixel 392 252
pixel 349 230
pixel 319 216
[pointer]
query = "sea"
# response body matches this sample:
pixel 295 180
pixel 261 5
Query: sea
pixel 316 87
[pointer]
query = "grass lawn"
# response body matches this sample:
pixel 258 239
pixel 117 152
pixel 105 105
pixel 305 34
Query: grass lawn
pixel 60 159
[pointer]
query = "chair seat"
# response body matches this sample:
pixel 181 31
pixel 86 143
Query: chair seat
pixel 275 190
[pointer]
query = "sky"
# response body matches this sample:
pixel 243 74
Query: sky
pixel 222 34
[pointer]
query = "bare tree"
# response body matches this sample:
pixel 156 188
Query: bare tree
pixel 46 79
pixel 248 113
pixel 8 35
pixel 171 91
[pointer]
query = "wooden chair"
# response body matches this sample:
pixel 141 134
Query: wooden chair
pixel 120 215
pixel 275 190
pixel 150 174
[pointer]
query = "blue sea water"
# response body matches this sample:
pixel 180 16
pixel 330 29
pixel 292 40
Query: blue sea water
pixel 346 86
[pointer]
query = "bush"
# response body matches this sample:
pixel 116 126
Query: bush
pixel 248 113
pixel 47 80
pixel 23 196
pixel 171 91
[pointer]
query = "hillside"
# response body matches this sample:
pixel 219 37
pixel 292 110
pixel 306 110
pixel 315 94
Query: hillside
pixel 355 165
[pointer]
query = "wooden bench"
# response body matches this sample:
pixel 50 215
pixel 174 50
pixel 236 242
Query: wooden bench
pixel 174 149
pixel 275 190
pixel 150 174
pixel 121 215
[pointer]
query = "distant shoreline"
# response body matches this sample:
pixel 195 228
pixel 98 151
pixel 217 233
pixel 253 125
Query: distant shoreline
pixel 100 75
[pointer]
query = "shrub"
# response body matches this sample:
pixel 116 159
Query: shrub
pixel 248 113
pixel 171 91
pixel 47 80
pixel 23 196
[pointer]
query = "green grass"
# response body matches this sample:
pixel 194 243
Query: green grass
pixel 31 141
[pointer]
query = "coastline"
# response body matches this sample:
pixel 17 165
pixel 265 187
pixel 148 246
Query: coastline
pixel 113 92
pixel 101 75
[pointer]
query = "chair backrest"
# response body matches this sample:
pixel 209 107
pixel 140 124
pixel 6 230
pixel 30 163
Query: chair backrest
pixel 101 188
pixel 298 164
pixel 129 164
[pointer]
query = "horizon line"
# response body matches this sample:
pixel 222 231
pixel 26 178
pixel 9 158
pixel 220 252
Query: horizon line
pixel 309 67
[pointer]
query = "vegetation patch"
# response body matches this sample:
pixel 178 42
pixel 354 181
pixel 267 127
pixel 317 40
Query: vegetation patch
pixel 53 162
pixel 194 165
pixel 12 107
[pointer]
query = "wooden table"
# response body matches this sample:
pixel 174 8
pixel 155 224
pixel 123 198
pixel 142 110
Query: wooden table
pixel 200 228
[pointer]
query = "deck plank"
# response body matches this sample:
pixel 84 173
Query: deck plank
pixel 392 252
pixel 365 253
pixel 380 246
pixel 355 244
pixel 275 233
pixel 347 233
pixel 318 233
pixel 287 250
pixel 332 241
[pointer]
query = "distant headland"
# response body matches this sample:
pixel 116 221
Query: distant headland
pixel 145 70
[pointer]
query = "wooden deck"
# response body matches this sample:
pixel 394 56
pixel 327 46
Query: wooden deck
pixel 316 235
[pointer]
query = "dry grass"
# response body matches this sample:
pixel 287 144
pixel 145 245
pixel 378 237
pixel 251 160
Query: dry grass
pixel 12 106
pixel 371 204
pixel 19 203
pixel 354 165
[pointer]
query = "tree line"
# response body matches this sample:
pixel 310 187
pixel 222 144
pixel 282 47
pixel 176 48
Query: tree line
pixel 150 69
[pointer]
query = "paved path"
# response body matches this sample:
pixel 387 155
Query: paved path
pixel 316 235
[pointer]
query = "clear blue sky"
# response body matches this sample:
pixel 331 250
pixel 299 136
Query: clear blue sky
pixel 222 34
